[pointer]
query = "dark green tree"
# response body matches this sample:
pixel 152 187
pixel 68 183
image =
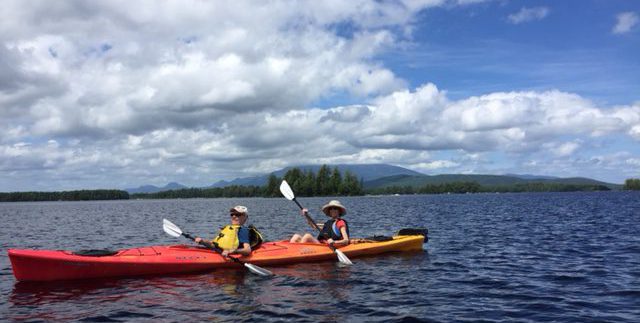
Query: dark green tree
pixel 335 182
pixel 308 184
pixel 351 185
pixel 322 181
pixel 632 184
pixel 295 179
pixel 273 184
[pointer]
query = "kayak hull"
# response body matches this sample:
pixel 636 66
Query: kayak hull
pixel 52 265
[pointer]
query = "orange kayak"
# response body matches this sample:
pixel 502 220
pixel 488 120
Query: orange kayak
pixel 51 265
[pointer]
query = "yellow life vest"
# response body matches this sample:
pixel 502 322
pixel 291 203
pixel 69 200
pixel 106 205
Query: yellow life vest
pixel 228 237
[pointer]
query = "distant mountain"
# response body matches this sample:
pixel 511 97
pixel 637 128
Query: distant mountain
pixel 155 189
pixel 528 176
pixel 383 175
pixel 415 181
pixel 580 181
pixel 244 181
pixel 484 180
pixel 366 172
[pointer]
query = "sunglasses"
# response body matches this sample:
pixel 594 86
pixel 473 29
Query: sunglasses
pixel 237 215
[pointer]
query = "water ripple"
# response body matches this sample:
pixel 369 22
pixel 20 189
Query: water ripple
pixel 569 257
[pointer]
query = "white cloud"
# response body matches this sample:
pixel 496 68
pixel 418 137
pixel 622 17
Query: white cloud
pixel 625 22
pixel 563 149
pixel 403 128
pixel 145 69
pixel 436 165
pixel 635 132
pixel 514 121
pixel 468 2
pixel 528 15
pixel 118 94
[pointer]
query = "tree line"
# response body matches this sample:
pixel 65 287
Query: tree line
pixel 228 191
pixel 632 184
pixel 326 182
pixel 474 187
pixel 304 183
pixel 307 183
pixel 81 195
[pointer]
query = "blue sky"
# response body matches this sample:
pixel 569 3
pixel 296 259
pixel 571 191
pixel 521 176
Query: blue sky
pixel 474 50
pixel 113 94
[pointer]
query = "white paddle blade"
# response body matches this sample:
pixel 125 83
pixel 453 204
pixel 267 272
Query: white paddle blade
pixel 170 228
pixel 258 270
pixel 343 258
pixel 285 189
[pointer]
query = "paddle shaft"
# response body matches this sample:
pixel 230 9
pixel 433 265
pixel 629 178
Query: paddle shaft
pixel 210 246
pixel 310 220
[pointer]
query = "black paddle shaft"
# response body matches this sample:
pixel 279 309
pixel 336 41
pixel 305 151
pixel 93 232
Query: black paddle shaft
pixel 309 219
pixel 210 246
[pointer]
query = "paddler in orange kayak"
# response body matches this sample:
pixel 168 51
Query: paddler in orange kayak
pixel 234 238
pixel 335 231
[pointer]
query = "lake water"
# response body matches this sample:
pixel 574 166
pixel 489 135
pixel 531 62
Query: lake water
pixel 562 257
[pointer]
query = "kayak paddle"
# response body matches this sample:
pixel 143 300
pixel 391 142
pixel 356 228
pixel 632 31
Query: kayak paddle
pixel 286 190
pixel 174 231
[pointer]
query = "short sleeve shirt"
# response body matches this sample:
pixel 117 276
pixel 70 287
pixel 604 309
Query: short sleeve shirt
pixel 339 225
pixel 243 236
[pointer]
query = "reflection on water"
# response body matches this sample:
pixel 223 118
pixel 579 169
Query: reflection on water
pixel 304 288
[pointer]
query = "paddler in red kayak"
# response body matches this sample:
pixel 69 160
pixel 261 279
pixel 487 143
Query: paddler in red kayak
pixel 234 238
pixel 335 231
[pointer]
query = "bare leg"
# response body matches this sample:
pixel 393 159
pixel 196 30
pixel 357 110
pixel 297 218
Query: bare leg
pixel 296 238
pixel 309 238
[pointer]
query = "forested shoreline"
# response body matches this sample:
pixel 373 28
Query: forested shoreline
pixel 80 195
pixel 473 187
pixel 632 184
pixel 327 182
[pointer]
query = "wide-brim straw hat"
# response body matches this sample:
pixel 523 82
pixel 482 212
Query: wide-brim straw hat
pixel 334 203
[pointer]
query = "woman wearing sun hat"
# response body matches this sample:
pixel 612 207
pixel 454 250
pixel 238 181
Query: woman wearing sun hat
pixel 335 231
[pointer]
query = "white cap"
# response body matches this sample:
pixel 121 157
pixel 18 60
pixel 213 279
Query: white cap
pixel 239 209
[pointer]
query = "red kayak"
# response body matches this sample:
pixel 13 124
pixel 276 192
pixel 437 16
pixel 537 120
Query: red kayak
pixel 50 265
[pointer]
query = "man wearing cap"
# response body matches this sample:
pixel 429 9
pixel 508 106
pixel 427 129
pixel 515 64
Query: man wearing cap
pixel 335 231
pixel 233 238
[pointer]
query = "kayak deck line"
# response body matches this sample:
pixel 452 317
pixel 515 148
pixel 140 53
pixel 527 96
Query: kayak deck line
pixel 51 265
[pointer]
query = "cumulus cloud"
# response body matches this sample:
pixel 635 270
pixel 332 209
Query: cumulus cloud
pixel 436 164
pixel 113 94
pixel 563 149
pixel 635 132
pixel 514 121
pixel 625 22
pixel 404 128
pixel 113 67
pixel 528 15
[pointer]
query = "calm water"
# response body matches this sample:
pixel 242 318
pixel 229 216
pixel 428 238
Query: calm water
pixel 563 257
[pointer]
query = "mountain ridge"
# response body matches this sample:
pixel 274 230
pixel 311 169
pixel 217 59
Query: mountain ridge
pixel 365 172
pixel 482 179
pixel 381 175
pixel 155 189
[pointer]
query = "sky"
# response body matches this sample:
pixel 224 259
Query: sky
pixel 118 94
